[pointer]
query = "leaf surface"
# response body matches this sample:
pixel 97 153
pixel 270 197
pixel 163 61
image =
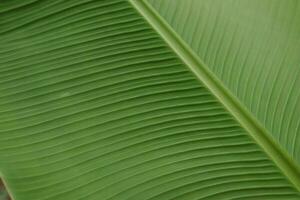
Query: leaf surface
pixel 253 47
pixel 98 102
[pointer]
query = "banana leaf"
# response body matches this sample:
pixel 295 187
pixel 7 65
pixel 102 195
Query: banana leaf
pixel 150 99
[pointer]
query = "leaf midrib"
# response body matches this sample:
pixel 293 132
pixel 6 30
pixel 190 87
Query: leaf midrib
pixel 215 86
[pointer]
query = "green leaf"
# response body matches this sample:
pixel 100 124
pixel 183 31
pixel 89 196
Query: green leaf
pixel 253 46
pixel 105 100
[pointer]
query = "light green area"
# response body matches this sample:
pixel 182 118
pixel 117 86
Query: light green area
pixel 203 74
pixel 96 104
pixel 253 46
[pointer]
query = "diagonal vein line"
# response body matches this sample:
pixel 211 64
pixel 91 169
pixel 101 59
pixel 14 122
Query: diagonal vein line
pixel 205 76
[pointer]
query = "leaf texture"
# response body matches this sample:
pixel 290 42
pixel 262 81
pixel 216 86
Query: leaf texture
pixel 94 104
pixel 253 47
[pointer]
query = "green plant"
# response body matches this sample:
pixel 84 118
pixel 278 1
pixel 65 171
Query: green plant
pixel 158 99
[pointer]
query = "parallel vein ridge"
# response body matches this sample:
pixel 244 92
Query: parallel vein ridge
pixel 253 47
pixel 94 104
pixel 196 65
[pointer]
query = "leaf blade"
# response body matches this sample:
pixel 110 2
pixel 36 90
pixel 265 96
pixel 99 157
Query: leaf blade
pixel 252 47
pixel 116 123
